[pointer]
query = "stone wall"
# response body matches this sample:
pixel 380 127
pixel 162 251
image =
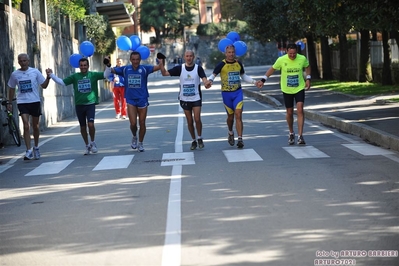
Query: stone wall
pixel 47 48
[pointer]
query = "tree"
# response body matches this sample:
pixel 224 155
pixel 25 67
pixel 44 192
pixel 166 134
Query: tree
pixel 232 10
pixel 166 17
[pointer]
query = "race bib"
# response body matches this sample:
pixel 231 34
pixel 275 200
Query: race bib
pixel 84 86
pixel 293 81
pixel 233 78
pixel 188 89
pixel 25 86
pixel 134 81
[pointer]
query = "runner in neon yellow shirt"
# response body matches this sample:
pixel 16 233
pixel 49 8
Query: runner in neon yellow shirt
pixel 293 86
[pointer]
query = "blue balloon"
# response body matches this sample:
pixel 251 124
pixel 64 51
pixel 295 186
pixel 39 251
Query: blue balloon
pixel 301 44
pixel 74 60
pixel 223 43
pixel 135 42
pixel 86 48
pixel 124 43
pixel 241 48
pixel 144 52
pixel 234 36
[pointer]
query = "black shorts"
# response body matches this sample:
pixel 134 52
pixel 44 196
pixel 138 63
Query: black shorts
pixel 85 113
pixel 289 98
pixel 33 109
pixel 189 105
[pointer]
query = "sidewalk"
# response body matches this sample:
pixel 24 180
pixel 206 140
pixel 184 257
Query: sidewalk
pixel 374 119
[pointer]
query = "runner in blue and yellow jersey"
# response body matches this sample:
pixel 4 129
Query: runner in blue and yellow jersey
pixel 231 72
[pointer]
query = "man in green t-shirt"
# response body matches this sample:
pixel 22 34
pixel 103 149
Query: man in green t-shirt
pixel 85 86
pixel 293 86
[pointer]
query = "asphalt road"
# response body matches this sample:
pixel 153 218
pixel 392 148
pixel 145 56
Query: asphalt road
pixel 267 204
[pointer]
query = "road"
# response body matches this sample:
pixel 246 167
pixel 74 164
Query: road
pixel 267 204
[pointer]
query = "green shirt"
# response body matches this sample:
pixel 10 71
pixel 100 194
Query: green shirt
pixel 85 86
pixel 292 80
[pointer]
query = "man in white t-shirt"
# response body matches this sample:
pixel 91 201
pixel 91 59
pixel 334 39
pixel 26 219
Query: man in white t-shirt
pixel 28 80
pixel 190 95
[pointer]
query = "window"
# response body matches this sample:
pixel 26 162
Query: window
pixel 209 14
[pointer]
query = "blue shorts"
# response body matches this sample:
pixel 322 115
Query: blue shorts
pixel 139 103
pixel 233 100
pixel 85 113
pixel 33 109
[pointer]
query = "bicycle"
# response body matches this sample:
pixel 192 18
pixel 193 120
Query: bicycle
pixel 12 125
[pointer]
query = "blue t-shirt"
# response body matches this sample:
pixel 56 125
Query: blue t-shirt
pixel 135 80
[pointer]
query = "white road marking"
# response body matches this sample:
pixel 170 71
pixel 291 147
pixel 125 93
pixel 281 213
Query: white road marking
pixel 178 158
pixel 114 162
pixel 244 155
pixel 171 254
pixel 50 168
pixel 367 149
pixel 306 152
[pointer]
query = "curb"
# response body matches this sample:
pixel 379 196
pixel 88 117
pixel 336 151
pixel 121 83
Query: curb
pixel 367 133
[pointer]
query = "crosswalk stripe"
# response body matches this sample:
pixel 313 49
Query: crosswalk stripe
pixel 244 155
pixel 367 149
pixel 177 158
pixel 114 162
pixel 306 152
pixel 50 168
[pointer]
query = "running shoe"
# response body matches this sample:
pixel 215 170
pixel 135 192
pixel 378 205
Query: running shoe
pixel 134 143
pixel 240 143
pixel 193 145
pixel 200 143
pixel 141 147
pixel 118 116
pixel 301 140
pixel 291 139
pixel 93 147
pixel 123 116
pixel 28 155
pixel 230 139
pixel 87 151
pixel 36 153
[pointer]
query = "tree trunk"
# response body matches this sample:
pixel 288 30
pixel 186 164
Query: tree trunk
pixel 326 59
pixel 343 58
pixel 312 56
pixel 364 74
pixel 386 69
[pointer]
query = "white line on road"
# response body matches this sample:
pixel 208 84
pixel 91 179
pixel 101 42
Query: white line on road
pixel 50 168
pixel 171 255
pixel 114 162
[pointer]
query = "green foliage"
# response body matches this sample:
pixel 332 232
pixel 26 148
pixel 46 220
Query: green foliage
pixel 16 3
pixel 215 57
pixel 75 10
pixel 167 18
pixel 354 88
pixel 231 10
pixel 130 8
pixel 219 29
pixel 98 29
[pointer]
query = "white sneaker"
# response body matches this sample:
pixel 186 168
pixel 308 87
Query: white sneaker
pixel 134 143
pixel 36 153
pixel 93 147
pixel 123 116
pixel 28 155
pixel 87 151
pixel 141 147
pixel 118 116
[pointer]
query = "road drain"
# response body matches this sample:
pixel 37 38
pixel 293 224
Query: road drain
pixel 165 160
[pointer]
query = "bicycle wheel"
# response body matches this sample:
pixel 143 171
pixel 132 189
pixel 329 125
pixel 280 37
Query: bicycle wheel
pixel 14 130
